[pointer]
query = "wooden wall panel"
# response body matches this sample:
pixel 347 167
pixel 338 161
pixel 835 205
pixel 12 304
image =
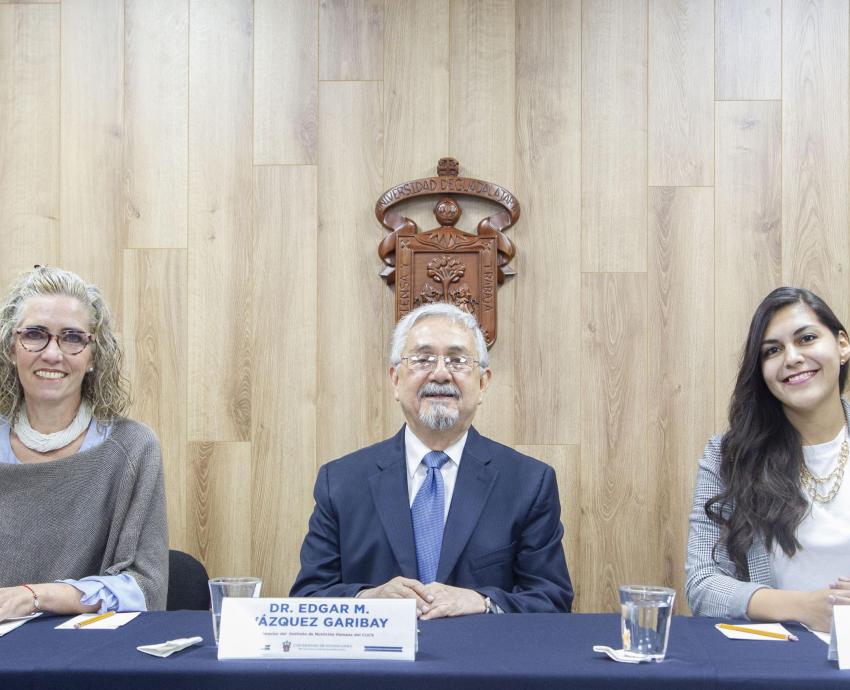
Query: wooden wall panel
pixel 614 135
pixel 416 115
pixel 155 339
pixel 286 86
pixel 567 463
pixel 482 82
pixel 681 88
pixel 350 395
pixel 351 34
pixel 219 185
pixel 548 159
pixel 284 369
pixel 29 138
pixel 815 149
pixel 680 413
pixel 220 215
pixel 156 111
pixel 747 230
pixel 748 53
pixel 416 125
pixel 91 186
pixel 618 528
pixel 220 508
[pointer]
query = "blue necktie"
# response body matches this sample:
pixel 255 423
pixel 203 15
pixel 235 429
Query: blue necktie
pixel 427 512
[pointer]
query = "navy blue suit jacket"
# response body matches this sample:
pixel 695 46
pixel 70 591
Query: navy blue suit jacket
pixel 502 536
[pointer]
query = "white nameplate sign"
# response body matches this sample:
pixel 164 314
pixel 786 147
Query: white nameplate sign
pixel 839 643
pixel 309 628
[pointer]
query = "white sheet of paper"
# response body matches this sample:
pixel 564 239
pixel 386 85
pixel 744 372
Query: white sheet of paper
pixel 767 627
pixel 824 636
pixel 110 623
pixel 12 623
pixel 839 645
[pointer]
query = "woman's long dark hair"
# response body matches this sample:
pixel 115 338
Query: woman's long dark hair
pixel 762 452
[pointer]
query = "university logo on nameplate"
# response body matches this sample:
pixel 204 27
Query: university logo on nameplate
pixel 307 628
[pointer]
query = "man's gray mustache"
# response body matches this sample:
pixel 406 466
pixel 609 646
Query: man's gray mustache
pixel 439 389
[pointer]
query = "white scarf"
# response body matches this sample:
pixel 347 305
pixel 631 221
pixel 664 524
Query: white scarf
pixel 44 443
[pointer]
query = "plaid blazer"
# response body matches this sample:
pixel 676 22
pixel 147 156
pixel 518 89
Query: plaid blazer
pixel 712 585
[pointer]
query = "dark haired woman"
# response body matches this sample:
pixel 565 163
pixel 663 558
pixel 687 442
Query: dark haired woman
pixel 770 526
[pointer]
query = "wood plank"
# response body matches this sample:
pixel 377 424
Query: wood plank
pixel 566 460
pixel 156 110
pixel 618 477
pixel 29 138
pixel 482 83
pixel 548 156
pixel 155 337
pixel 748 59
pixel 351 39
pixel 283 423
pixel 747 230
pixel 416 89
pixel 680 284
pixel 220 217
pixel 220 507
pixel 815 249
pixel 285 81
pixel 416 123
pixel 350 346
pixel 92 228
pixel 681 92
pixel 614 135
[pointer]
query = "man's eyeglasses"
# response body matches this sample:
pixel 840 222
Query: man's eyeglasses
pixel 457 364
pixel 71 342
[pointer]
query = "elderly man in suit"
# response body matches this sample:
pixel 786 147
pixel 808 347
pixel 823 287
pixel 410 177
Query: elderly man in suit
pixel 438 513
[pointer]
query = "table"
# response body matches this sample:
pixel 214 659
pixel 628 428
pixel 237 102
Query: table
pixel 525 651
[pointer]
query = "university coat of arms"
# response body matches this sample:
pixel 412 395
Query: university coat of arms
pixel 447 264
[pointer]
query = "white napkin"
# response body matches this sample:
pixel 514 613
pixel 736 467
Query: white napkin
pixel 164 649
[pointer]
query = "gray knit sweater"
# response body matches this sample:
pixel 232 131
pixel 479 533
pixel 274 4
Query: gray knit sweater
pixel 99 512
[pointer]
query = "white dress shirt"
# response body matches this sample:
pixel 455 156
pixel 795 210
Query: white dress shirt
pixel 415 450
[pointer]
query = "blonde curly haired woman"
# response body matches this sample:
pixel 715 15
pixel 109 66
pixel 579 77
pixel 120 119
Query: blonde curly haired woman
pixel 82 503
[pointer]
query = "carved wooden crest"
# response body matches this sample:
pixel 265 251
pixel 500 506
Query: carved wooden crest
pixel 446 264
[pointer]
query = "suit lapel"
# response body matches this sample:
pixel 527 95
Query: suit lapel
pixel 389 493
pixel 475 479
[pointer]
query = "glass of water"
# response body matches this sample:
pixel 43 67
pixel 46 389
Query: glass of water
pixel 645 620
pixel 221 587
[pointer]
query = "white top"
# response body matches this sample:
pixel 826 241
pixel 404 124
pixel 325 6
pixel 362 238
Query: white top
pixel 824 532
pixel 415 450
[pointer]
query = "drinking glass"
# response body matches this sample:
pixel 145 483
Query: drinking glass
pixel 645 620
pixel 221 587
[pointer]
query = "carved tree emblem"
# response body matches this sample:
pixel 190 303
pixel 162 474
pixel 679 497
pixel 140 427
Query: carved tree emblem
pixel 429 266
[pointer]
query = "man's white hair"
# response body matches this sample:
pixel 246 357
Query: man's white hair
pixel 433 310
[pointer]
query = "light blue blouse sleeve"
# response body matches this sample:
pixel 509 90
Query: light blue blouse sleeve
pixel 112 592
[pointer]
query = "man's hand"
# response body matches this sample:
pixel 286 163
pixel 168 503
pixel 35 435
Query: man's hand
pixel 401 588
pixel 445 601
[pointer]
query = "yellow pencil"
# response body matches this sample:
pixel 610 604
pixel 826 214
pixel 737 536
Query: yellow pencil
pixel 756 631
pixel 89 621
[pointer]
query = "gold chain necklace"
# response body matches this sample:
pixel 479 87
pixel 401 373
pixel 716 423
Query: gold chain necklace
pixel 811 483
